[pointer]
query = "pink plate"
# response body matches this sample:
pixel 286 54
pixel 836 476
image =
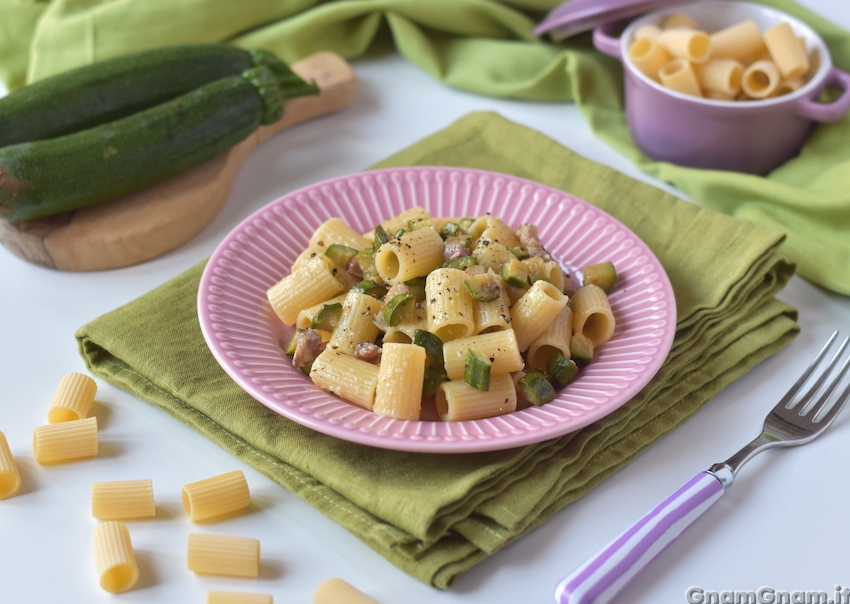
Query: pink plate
pixel 247 339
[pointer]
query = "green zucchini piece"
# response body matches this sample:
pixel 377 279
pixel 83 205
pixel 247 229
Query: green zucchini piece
pixel 293 341
pixel 477 370
pixel 603 275
pixel 340 254
pixel 462 263
pixel 536 269
pixel 536 389
pixel 581 349
pixel 328 317
pixel 417 288
pixel 115 88
pixel 106 162
pixel 433 346
pixel 376 290
pixel 515 273
pixel 484 288
pixel 465 223
pixel 561 369
pixel 381 236
pixel 520 252
pixel 450 229
pixel 397 308
pixel 366 260
pixel 434 376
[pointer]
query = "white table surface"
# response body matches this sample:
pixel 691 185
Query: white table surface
pixel 784 524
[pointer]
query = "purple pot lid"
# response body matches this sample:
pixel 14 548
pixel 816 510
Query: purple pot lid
pixel 575 16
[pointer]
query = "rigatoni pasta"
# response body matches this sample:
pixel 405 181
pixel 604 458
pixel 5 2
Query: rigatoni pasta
pixel 122 500
pixel 73 398
pixel 456 330
pixel 65 441
pixel 114 557
pixel 223 555
pixel 234 597
pixel 216 496
pixel 337 591
pixel 10 477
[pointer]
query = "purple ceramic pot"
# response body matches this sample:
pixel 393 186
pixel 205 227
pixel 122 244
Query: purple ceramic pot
pixel 746 136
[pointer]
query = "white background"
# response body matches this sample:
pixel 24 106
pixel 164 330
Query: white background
pixel 785 522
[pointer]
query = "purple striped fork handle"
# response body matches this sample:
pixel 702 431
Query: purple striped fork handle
pixel 602 577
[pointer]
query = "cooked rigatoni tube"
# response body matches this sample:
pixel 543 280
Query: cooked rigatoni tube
pixel 10 477
pixel 234 597
pixel 492 254
pixel 216 496
pixel 721 76
pixel 679 75
pixel 688 44
pixel 555 274
pixel 592 316
pixel 114 558
pixel 491 228
pixel 414 216
pixel 400 377
pixel 500 347
pixel 355 324
pixel 414 254
pixel 305 316
pixel 458 401
pixel 122 500
pixel 448 304
pixel 308 254
pixel 347 377
pixel 648 56
pixel 555 338
pixel 337 591
pixel 314 282
pixel 678 20
pixel 65 441
pixel 223 555
pixel 760 80
pixel 740 41
pixel 789 57
pixel 73 398
pixel 534 311
pixel 494 315
pixel 336 230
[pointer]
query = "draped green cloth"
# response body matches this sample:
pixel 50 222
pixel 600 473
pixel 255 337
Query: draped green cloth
pixel 435 516
pixel 484 46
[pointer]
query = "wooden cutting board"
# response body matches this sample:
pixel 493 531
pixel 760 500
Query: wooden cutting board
pixel 151 222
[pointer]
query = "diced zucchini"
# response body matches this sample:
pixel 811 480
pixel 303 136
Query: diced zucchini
pixel 461 263
pixel 381 236
pixel 417 288
pixel 603 275
pixel 465 223
pixel 366 260
pixel 477 370
pixel 581 349
pixel 484 288
pixel 536 389
pixel 520 252
pixel 398 308
pixel 433 346
pixel 376 290
pixel 450 229
pixel 434 376
pixel 327 317
pixel 515 273
pixel 340 254
pixel 536 269
pixel 561 369
pixel 293 341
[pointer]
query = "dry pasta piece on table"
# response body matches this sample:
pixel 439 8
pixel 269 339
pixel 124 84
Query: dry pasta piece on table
pixel 337 591
pixel 65 441
pixel 114 557
pixel 234 597
pixel 73 399
pixel 458 401
pixel 347 377
pixel 216 496
pixel 224 555
pixel 10 477
pixel 122 499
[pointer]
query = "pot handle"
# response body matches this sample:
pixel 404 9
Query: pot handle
pixel 826 112
pixel 606 43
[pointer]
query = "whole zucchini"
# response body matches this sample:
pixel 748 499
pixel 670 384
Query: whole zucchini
pixel 115 88
pixel 49 176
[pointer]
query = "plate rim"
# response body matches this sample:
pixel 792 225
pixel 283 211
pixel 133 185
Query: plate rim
pixel 422 445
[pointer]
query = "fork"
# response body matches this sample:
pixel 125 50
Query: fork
pixel 793 421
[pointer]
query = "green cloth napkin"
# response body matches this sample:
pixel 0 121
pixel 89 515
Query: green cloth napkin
pixel 484 46
pixel 435 516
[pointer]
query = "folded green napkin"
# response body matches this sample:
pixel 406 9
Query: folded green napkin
pixel 485 46
pixel 435 519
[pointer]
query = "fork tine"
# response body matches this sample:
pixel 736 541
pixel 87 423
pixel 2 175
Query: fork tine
pixel 798 385
pixel 827 417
